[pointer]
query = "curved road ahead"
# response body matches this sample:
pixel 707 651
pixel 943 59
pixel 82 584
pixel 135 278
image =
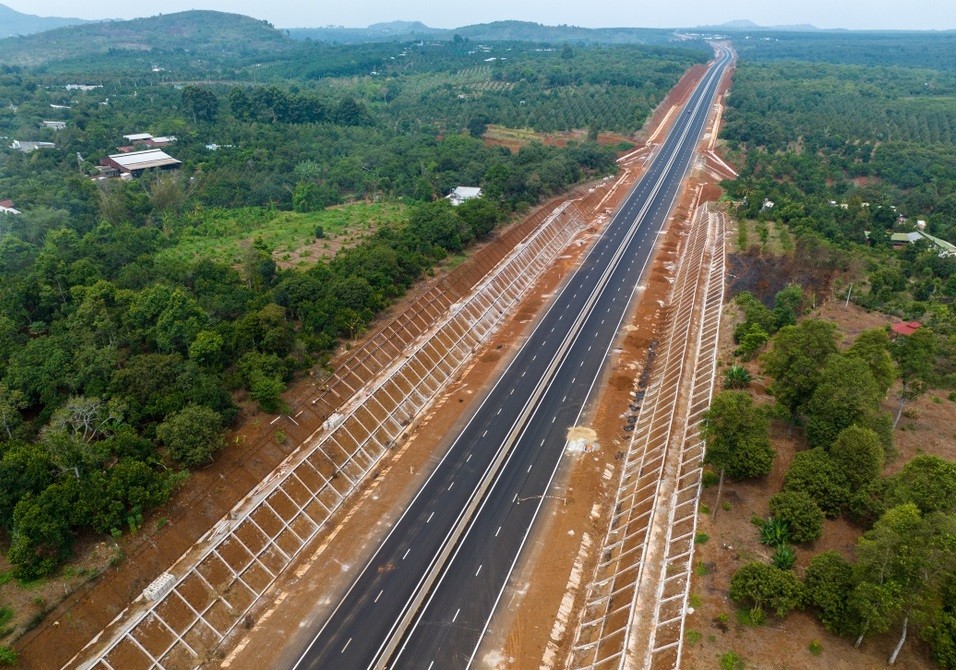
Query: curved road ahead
pixel 455 545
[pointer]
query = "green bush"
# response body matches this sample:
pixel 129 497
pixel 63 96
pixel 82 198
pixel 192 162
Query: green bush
pixel 731 661
pixel 784 557
pixel 774 532
pixel 759 586
pixel 800 513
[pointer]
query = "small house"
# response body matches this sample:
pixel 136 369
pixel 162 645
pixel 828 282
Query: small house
pixel 943 248
pixel 6 207
pixel 462 194
pixel 54 125
pixel 28 146
pixel 906 327
pixel 135 163
pixel 137 137
pixel 900 240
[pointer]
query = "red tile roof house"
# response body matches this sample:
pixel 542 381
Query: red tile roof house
pixel 906 327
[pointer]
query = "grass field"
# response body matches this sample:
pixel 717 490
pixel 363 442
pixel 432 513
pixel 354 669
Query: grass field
pixel 223 235
pixel 770 236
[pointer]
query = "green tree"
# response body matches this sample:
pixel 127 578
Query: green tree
pixel 201 104
pixel 914 554
pixel 929 482
pixel 267 391
pixel 827 584
pixel 814 473
pixel 872 347
pixel 751 341
pixel 915 356
pixel 846 394
pixel 760 586
pixel 796 359
pixel 736 434
pixel 801 514
pixel 787 305
pixel 11 402
pixel 192 434
pixel 207 348
pixel 939 628
pixel 859 455
pixel 42 536
pixel 24 469
pixel 478 124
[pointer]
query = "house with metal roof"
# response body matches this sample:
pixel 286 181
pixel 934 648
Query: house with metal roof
pixel 137 137
pixel 463 193
pixel 28 146
pixel 943 248
pixel 135 163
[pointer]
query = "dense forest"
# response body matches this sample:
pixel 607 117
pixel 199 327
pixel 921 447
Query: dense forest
pixel 843 155
pixel 123 354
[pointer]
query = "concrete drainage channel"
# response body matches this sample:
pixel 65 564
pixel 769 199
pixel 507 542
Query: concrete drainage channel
pixel 633 616
pixel 184 615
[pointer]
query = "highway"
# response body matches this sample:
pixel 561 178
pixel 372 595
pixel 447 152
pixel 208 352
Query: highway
pixel 426 596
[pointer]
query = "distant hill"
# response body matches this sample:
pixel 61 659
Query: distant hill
pixel 746 25
pixel 522 31
pixel 14 23
pixel 401 27
pixel 201 33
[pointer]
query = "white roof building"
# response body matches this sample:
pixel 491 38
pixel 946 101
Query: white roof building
pixel 137 137
pixel 135 162
pixel 463 193
pixel 26 147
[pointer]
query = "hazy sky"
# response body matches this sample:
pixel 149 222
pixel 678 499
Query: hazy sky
pixel 864 14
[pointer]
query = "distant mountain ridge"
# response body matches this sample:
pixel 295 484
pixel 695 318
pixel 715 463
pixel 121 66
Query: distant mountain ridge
pixel 524 31
pixel 200 32
pixel 14 23
pixel 748 25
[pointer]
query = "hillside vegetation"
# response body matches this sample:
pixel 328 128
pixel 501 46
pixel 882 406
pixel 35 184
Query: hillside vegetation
pixel 139 319
pixel 201 34
pixel 836 158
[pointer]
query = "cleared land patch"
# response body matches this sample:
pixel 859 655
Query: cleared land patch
pixel 225 235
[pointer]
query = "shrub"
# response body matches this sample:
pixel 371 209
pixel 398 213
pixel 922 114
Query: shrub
pixel 803 517
pixel 827 584
pixel 760 585
pixel 774 532
pixel 736 377
pixel 784 557
pixel 731 661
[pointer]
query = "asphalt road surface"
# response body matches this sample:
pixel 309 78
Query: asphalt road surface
pixel 425 598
